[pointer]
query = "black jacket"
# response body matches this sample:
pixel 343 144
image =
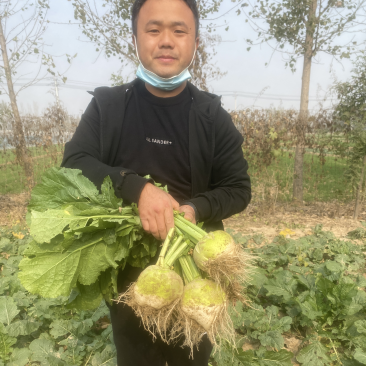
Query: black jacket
pixel 220 183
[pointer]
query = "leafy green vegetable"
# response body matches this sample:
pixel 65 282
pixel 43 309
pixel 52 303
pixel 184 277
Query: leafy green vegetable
pixel 80 234
pixel 311 289
pixel 40 331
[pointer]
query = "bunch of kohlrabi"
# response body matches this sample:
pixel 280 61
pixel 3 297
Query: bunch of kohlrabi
pixel 82 237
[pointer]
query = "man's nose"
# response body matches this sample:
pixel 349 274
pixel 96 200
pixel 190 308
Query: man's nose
pixel 166 39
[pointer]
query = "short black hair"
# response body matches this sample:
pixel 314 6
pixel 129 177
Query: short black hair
pixel 138 4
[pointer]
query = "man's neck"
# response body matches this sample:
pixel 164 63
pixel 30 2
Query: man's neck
pixel 165 93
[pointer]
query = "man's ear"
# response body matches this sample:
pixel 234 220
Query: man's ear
pixel 197 43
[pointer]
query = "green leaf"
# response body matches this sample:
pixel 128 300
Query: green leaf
pixel 284 284
pixel 6 343
pixel 333 266
pixel 50 275
pixel 361 326
pixel 55 275
pixel 360 356
pixel 62 186
pixel 108 193
pixel 19 357
pixel 268 358
pixel 246 357
pixel 315 354
pixel 6 245
pixel 8 310
pixel 46 225
pixel 357 303
pixel 310 308
pixel 22 327
pixel 43 352
pixel 257 277
pixel 324 285
pixel 106 358
pixel 272 339
pixel 280 358
pixel 89 297
pixel 60 327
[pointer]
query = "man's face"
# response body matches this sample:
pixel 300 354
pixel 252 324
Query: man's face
pixel 166 36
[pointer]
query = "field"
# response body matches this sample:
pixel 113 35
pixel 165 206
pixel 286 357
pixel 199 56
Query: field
pixel 12 178
pixel 307 295
pixel 291 319
pixel 322 182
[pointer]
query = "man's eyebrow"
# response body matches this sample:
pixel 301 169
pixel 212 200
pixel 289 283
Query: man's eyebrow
pixel 173 24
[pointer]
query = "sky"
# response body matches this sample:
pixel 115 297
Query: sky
pixel 267 86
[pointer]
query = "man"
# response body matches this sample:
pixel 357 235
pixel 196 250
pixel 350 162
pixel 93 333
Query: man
pixel 161 125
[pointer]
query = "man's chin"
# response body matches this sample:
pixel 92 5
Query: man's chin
pixel 166 74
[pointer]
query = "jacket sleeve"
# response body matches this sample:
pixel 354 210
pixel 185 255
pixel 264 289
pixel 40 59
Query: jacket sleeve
pixel 230 190
pixel 83 152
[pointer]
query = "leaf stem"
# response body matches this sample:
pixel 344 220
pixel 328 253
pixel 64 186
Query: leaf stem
pixel 189 268
pixel 193 234
pixel 165 247
pixel 173 248
pixel 178 252
pixel 191 225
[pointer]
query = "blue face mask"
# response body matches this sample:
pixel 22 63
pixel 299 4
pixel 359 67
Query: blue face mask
pixel 159 82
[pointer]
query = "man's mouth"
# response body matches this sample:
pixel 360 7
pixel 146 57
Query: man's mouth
pixel 166 58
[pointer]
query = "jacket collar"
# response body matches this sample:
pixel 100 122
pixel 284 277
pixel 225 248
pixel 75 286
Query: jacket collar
pixel 205 103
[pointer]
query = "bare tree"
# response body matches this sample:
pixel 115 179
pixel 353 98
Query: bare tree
pixel 22 26
pixel 306 27
pixel 111 31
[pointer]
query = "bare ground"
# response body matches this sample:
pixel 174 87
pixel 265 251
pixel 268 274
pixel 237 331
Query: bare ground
pixel 270 221
pixel 13 208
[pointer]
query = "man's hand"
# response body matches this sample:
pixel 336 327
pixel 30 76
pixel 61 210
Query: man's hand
pixel 189 213
pixel 156 211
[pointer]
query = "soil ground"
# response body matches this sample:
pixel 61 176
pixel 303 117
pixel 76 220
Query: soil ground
pixel 264 219
pixel 258 218
pixel 269 221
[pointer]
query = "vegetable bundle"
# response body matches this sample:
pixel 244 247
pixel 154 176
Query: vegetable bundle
pixel 82 237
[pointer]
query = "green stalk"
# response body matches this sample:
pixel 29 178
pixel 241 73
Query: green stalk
pixel 173 248
pixel 186 282
pixel 193 267
pixel 160 261
pixel 178 232
pixel 185 269
pixel 178 252
pixel 189 268
pixel 191 225
pixel 194 235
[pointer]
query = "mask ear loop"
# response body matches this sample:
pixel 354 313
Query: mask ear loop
pixel 152 73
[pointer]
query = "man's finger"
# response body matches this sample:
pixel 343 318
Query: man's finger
pixel 189 217
pixel 160 222
pixel 145 225
pixel 153 227
pixel 169 219
pixel 175 204
pixel 189 213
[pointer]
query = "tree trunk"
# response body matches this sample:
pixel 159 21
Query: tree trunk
pixel 20 143
pixel 304 105
pixel 359 189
